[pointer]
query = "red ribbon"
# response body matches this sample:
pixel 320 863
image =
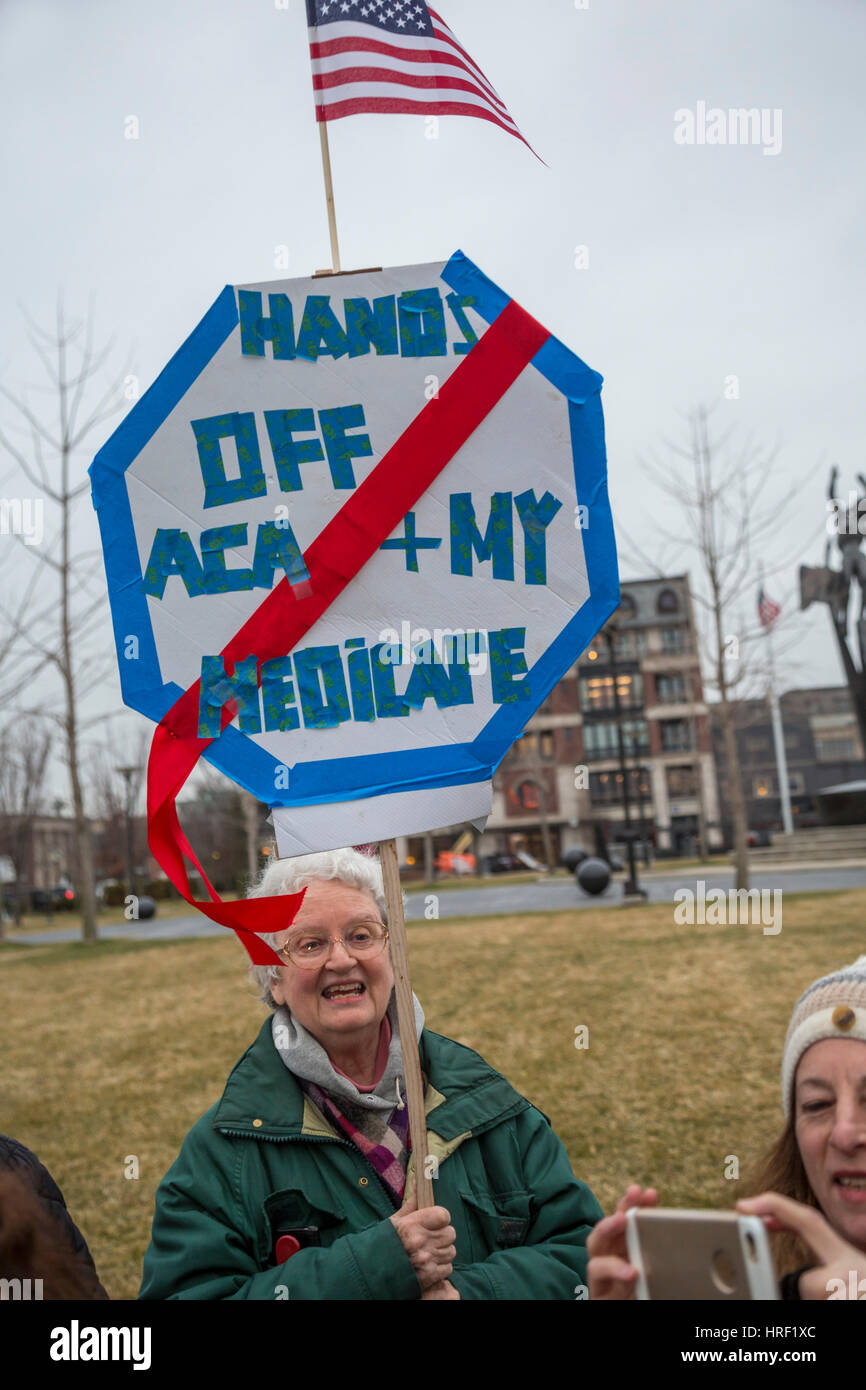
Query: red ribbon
pixel 333 560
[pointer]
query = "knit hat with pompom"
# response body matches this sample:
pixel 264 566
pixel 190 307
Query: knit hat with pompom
pixel 833 1007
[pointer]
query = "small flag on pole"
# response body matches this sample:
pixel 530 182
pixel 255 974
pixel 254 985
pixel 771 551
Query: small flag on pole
pixel 768 609
pixel 395 56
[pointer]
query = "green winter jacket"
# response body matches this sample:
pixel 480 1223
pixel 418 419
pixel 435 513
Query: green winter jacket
pixel 263 1161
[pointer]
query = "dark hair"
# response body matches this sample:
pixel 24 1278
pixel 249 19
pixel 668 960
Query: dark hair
pixel 35 1245
pixel 781 1170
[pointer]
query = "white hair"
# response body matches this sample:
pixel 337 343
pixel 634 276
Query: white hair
pixel 348 866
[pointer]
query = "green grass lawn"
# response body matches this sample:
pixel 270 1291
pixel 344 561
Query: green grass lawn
pixel 116 1049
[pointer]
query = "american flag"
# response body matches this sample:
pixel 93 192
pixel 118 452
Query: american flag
pixel 768 609
pixel 395 56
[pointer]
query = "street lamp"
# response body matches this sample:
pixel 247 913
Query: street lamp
pixel 127 773
pixel 631 888
pixel 645 830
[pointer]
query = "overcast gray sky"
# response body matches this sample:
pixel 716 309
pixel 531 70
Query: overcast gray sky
pixel 705 261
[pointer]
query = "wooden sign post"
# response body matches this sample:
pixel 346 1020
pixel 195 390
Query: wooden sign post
pixel 406 1018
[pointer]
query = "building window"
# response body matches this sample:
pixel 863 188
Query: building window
pixel 682 781
pixel 835 750
pixel 668 602
pixel 796 784
pixel 629 646
pixel 627 608
pixel 764 786
pixel 671 690
pixel 605 788
pixel 530 747
pixel 600 740
pixel 528 794
pixel 676 735
pixel 760 746
pixel 673 639
pixel 596 692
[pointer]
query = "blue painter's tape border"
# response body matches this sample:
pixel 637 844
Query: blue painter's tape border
pixel 140 677
pixel 345 779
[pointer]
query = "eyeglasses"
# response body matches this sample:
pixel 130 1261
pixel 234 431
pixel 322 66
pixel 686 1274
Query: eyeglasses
pixel 310 949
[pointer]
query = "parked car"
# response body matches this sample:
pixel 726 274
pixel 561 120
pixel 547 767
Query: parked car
pixel 503 864
pixel 58 899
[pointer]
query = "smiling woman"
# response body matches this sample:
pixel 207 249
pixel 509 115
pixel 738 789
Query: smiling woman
pixel 338 986
pixel 819 1159
pixel 812 1184
pixel 299 1183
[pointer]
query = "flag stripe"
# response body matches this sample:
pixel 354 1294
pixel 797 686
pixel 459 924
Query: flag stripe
pixel 444 34
pixel 768 609
pixel 346 35
pixel 324 81
pixel 355 106
pixel 328 58
pixel 365 59
pixel 435 103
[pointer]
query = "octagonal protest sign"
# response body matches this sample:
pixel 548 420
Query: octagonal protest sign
pixel 354 534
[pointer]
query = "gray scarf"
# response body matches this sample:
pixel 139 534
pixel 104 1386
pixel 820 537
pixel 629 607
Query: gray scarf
pixel 306 1058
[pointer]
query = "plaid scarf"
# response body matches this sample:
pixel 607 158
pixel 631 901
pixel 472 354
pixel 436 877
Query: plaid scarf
pixel 385 1143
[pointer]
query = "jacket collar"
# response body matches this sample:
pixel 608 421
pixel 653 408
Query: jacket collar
pixel 262 1098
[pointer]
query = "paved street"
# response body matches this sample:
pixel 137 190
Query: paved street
pixel 563 894
pixel 559 895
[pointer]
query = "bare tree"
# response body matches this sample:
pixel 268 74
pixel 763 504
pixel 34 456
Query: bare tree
pixel 250 807
pixel 540 779
pixel 730 522
pixel 116 772
pixel 48 628
pixel 109 757
pixel 222 823
pixel 24 752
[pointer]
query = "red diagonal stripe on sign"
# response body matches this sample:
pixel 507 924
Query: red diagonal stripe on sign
pixel 333 560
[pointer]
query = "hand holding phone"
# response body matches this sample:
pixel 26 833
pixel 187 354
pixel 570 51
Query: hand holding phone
pixel 706 1255
pixel 609 1274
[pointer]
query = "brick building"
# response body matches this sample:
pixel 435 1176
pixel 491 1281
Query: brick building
pixel 565 769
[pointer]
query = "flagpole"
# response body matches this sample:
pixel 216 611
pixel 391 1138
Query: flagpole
pixel 329 196
pixel 778 735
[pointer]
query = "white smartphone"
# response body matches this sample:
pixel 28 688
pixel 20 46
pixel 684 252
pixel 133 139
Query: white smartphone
pixel 708 1255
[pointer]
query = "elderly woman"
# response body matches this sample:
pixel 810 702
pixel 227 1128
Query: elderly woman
pixel 813 1182
pixel 299 1182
